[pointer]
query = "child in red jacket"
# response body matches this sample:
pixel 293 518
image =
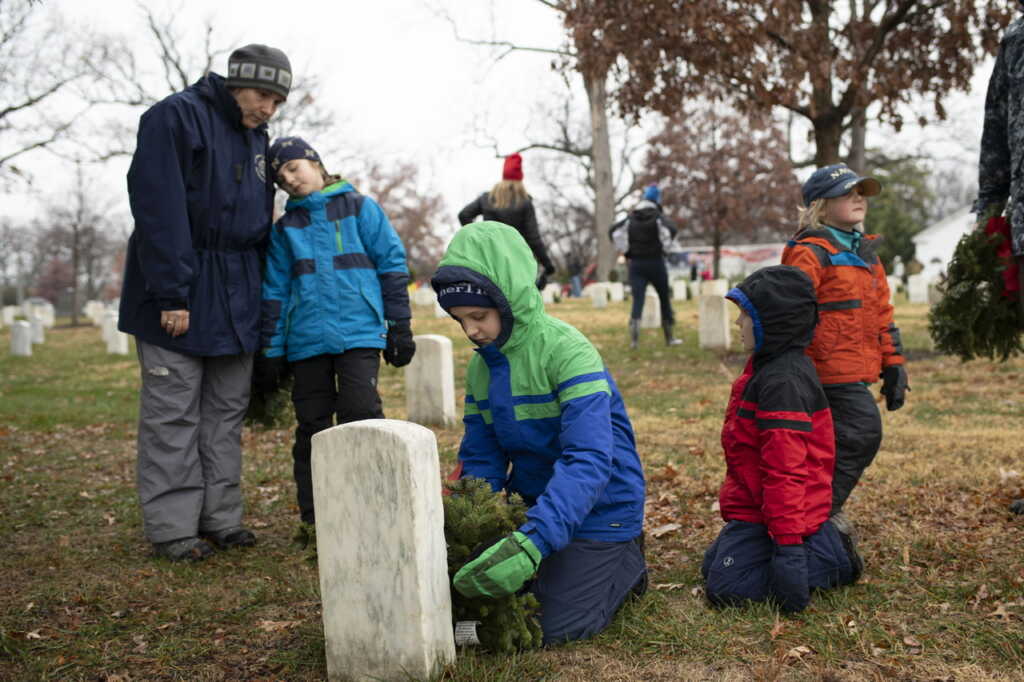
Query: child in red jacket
pixel 778 542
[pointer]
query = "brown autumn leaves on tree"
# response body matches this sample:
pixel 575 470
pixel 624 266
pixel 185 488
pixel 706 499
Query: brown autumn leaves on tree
pixel 725 176
pixel 824 61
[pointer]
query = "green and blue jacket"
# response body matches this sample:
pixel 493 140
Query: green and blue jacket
pixel 543 416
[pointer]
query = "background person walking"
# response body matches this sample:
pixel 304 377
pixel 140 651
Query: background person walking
pixel 508 203
pixel 645 237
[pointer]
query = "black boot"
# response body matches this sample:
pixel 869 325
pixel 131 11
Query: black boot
pixel 670 339
pixel 634 333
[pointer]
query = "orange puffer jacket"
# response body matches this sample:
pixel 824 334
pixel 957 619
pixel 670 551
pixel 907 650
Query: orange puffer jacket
pixel 855 337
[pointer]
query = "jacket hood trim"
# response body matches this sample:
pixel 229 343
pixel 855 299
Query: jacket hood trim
pixel 739 298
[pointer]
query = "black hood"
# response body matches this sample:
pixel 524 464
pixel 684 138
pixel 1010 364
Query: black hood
pixel 784 307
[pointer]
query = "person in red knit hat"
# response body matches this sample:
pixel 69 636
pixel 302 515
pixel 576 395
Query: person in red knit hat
pixel 508 203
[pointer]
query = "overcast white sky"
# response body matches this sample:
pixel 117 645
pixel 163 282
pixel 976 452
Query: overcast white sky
pixel 391 69
pixel 406 88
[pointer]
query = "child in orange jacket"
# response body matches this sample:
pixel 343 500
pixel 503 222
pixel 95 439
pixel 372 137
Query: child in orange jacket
pixel 855 342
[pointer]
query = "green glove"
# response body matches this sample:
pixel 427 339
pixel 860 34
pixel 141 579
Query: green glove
pixel 500 570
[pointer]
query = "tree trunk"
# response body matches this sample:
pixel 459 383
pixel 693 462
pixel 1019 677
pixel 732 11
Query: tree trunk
pixel 604 191
pixel 827 133
pixel 74 276
pixel 856 160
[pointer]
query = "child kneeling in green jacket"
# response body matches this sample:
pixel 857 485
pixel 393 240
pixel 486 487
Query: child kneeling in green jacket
pixel 543 419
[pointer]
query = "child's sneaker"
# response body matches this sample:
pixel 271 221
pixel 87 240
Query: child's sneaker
pixel 183 549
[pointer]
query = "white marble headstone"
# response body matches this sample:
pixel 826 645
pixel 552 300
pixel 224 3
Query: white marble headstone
pixel 694 287
pixel 617 292
pixel 651 316
pixel 714 287
pixel 714 327
pixel 894 283
pixel 38 333
pixel 381 551
pixel 21 338
pixel 917 289
pixel 117 343
pixel 109 326
pixel 598 295
pixel 9 311
pixel 430 382
pixel 679 290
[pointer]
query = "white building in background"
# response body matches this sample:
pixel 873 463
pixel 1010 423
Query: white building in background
pixel 934 245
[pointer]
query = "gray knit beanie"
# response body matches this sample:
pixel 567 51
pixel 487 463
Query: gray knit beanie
pixel 260 66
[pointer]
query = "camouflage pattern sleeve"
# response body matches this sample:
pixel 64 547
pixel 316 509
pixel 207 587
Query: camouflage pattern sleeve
pixel 994 162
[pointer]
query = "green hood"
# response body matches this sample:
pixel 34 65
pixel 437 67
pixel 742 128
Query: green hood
pixel 496 258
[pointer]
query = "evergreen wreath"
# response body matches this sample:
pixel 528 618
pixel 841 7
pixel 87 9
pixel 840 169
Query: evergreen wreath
pixel 474 519
pixel 977 317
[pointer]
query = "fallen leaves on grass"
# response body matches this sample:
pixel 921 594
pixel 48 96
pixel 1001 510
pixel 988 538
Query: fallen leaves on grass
pixel 669 586
pixel 665 529
pixel 278 625
pixel 914 647
pixel 798 652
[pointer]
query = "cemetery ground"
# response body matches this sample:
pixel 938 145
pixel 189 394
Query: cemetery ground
pixel 942 597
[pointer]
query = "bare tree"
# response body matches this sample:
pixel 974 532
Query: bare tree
pixel 137 82
pixel 727 173
pixel 415 214
pixel 44 69
pixel 598 152
pixel 81 234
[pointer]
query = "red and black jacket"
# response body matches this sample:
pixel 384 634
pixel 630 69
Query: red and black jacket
pixel 778 437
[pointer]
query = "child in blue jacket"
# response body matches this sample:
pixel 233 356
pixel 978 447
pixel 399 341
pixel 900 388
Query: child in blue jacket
pixel 334 296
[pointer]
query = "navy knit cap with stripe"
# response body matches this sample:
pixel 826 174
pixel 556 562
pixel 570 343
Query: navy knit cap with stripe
pixel 287 149
pixel 464 294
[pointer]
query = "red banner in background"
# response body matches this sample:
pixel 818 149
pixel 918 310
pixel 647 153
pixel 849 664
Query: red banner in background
pixel 1011 273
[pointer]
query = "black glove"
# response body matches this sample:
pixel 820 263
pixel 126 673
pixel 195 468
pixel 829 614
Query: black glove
pixel 894 386
pixel 542 281
pixel 401 347
pixel 549 269
pixel 268 372
pixel 789 578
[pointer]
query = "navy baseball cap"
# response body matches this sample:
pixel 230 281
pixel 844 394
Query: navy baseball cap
pixel 835 181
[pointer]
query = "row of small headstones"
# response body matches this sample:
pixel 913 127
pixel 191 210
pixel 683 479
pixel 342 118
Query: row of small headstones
pixel 26 333
pixel 714 332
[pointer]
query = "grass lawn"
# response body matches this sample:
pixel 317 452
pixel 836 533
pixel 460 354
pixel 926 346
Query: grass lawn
pixel 942 597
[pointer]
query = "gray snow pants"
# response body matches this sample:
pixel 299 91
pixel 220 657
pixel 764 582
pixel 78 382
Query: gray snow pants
pixel 190 441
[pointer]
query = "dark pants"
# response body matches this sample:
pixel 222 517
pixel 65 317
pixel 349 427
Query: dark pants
pixel 858 428
pixel 644 271
pixel 737 565
pixel 581 587
pixel 328 387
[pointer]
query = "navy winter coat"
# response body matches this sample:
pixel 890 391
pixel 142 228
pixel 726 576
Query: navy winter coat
pixel 202 207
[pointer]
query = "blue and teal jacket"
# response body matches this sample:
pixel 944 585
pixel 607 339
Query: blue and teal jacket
pixel 335 276
pixel 543 416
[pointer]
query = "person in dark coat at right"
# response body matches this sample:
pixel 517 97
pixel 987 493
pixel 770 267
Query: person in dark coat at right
pixel 507 202
pixel 645 237
pixel 778 542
